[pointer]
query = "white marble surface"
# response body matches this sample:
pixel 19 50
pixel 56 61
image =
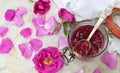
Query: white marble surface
pixel 15 63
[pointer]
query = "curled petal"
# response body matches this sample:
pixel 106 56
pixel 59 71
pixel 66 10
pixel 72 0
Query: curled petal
pixel 62 42
pixel 3 31
pixel 52 25
pixel 26 32
pixel 10 14
pixel 6 45
pixel 96 71
pixel 36 44
pixel 110 60
pixel 81 71
pixel 25 49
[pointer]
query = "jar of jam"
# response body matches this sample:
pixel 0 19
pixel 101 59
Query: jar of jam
pixel 80 31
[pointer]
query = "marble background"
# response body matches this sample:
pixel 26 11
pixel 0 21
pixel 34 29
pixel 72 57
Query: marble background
pixel 15 63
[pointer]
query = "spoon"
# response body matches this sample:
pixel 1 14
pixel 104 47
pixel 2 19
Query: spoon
pixel 103 16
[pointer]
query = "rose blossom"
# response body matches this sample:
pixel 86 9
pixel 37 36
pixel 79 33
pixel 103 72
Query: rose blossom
pixel 41 6
pixel 48 60
pixel 66 15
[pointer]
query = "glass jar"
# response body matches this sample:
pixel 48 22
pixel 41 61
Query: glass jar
pixel 81 30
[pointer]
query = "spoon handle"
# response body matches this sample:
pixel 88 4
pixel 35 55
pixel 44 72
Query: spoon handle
pixel 104 14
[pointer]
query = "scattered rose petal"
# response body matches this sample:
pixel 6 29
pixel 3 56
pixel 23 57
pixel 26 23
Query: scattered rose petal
pixel 18 20
pixel 52 25
pixel 46 28
pixel 10 14
pixel 110 60
pixel 48 60
pixel 26 32
pixel 96 71
pixel 81 71
pixel 41 32
pixel 62 42
pixel 38 22
pixel 25 49
pixel 36 44
pixel 3 31
pixel 41 7
pixel 6 45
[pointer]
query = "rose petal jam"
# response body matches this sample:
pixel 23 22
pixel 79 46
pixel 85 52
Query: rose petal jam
pixel 96 41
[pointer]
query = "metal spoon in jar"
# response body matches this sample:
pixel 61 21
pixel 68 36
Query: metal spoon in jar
pixel 84 43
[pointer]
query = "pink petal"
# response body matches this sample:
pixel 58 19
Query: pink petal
pixel 81 71
pixel 6 45
pixel 96 71
pixel 38 21
pixel 18 20
pixel 41 31
pixel 21 11
pixel 62 42
pixel 36 44
pixel 9 15
pixel 3 31
pixel 25 49
pixel 52 25
pixel 110 60
pixel 26 32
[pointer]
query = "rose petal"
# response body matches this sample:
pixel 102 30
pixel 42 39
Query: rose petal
pixel 9 14
pixel 41 31
pixel 52 25
pixel 96 71
pixel 81 71
pixel 3 31
pixel 62 42
pixel 26 32
pixel 38 21
pixel 21 11
pixel 6 45
pixel 110 60
pixel 36 44
pixel 25 49
pixel 18 20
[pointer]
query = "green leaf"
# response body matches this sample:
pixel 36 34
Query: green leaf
pixel 71 24
pixel 64 28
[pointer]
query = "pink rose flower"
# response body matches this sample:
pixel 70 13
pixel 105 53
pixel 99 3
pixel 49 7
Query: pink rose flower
pixel 41 6
pixel 48 60
pixel 66 15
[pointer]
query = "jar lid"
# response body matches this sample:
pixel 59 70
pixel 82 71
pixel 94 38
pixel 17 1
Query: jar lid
pixel 113 22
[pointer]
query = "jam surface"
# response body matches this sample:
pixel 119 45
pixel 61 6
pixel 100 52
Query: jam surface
pixel 96 42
